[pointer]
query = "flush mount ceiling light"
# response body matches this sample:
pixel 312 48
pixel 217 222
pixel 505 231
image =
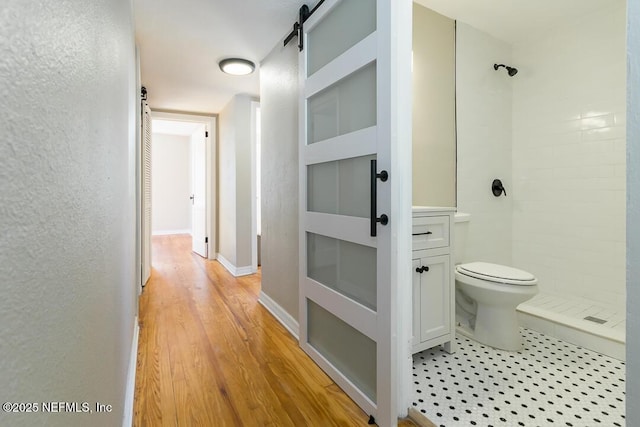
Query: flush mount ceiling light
pixel 237 66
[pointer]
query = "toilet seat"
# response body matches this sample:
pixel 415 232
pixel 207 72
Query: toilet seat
pixel 497 273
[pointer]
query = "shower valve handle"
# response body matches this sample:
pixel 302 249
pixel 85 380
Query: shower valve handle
pixel 497 188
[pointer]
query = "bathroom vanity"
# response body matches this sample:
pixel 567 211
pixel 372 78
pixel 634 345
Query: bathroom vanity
pixel 433 278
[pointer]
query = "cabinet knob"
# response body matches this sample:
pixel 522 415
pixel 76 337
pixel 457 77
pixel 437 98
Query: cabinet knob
pixel 422 269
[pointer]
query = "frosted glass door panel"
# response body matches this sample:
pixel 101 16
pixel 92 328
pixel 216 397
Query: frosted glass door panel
pixel 353 353
pixel 347 24
pixel 345 267
pixel 346 106
pixel 340 187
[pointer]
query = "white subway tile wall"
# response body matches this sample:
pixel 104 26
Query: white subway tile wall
pixel 555 135
pixel 483 109
pixel 569 156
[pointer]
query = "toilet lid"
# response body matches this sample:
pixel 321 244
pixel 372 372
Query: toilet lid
pixel 497 273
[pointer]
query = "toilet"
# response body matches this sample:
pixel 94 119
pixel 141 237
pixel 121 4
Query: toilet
pixel 487 296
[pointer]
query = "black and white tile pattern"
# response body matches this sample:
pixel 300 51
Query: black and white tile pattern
pixel 548 383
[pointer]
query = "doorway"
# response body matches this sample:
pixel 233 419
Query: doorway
pixel 183 187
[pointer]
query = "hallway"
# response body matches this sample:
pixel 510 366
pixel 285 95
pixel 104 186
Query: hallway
pixel 210 355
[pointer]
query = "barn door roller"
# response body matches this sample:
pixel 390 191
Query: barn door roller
pixel 303 14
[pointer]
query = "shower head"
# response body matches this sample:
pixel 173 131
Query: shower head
pixel 512 71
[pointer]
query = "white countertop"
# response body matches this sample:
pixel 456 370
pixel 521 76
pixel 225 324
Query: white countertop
pixel 425 209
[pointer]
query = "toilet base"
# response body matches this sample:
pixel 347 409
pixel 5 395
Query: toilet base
pixel 503 334
pixel 498 327
pixel 464 331
pixel 495 321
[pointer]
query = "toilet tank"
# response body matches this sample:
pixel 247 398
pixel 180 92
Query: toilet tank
pixel 461 231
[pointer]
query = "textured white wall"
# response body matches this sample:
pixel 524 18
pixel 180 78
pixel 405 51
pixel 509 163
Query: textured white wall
pixel 234 166
pixel 484 99
pixel 279 110
pixel 67 216
pixel 171 183
pixel 569 156
pixel 633 214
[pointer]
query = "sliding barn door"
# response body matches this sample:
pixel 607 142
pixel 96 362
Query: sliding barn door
pixel 348 305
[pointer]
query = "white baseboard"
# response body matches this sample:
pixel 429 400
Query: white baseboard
pixel 280 314
pixel 236 271
pixel 127 417
pixel 168 232
pixel 244 271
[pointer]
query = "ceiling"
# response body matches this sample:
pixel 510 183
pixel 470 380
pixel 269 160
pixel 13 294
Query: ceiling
pixel 514 21
pixel 182 41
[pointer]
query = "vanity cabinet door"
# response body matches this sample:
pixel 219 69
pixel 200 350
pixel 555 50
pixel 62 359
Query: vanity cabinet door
pixel 434 311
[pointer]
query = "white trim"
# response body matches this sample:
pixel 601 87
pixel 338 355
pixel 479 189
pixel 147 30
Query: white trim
pixel 400 36
pixel 212 197
pixel 354 144
pixel 235 271
pixel 255 107
pixel 356 315
pixel 227 264
pixel 280 314
pixel 244 271
pixel 349 62
pixel 342 227
pixel 168 232
pixel 127 416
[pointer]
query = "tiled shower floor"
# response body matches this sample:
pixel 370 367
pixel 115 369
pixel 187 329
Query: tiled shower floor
pixel 548 383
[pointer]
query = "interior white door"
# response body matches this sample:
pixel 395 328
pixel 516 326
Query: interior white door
pixel 198 192
pixel 348 302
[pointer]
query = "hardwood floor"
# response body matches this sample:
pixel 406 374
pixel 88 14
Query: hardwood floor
pixel 210 355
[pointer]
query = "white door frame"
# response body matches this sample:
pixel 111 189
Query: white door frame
pixel 255 106
pixel 401 106
pixel 211 185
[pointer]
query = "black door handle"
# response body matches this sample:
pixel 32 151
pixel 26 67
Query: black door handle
pixel 422 269
pixel 383 176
